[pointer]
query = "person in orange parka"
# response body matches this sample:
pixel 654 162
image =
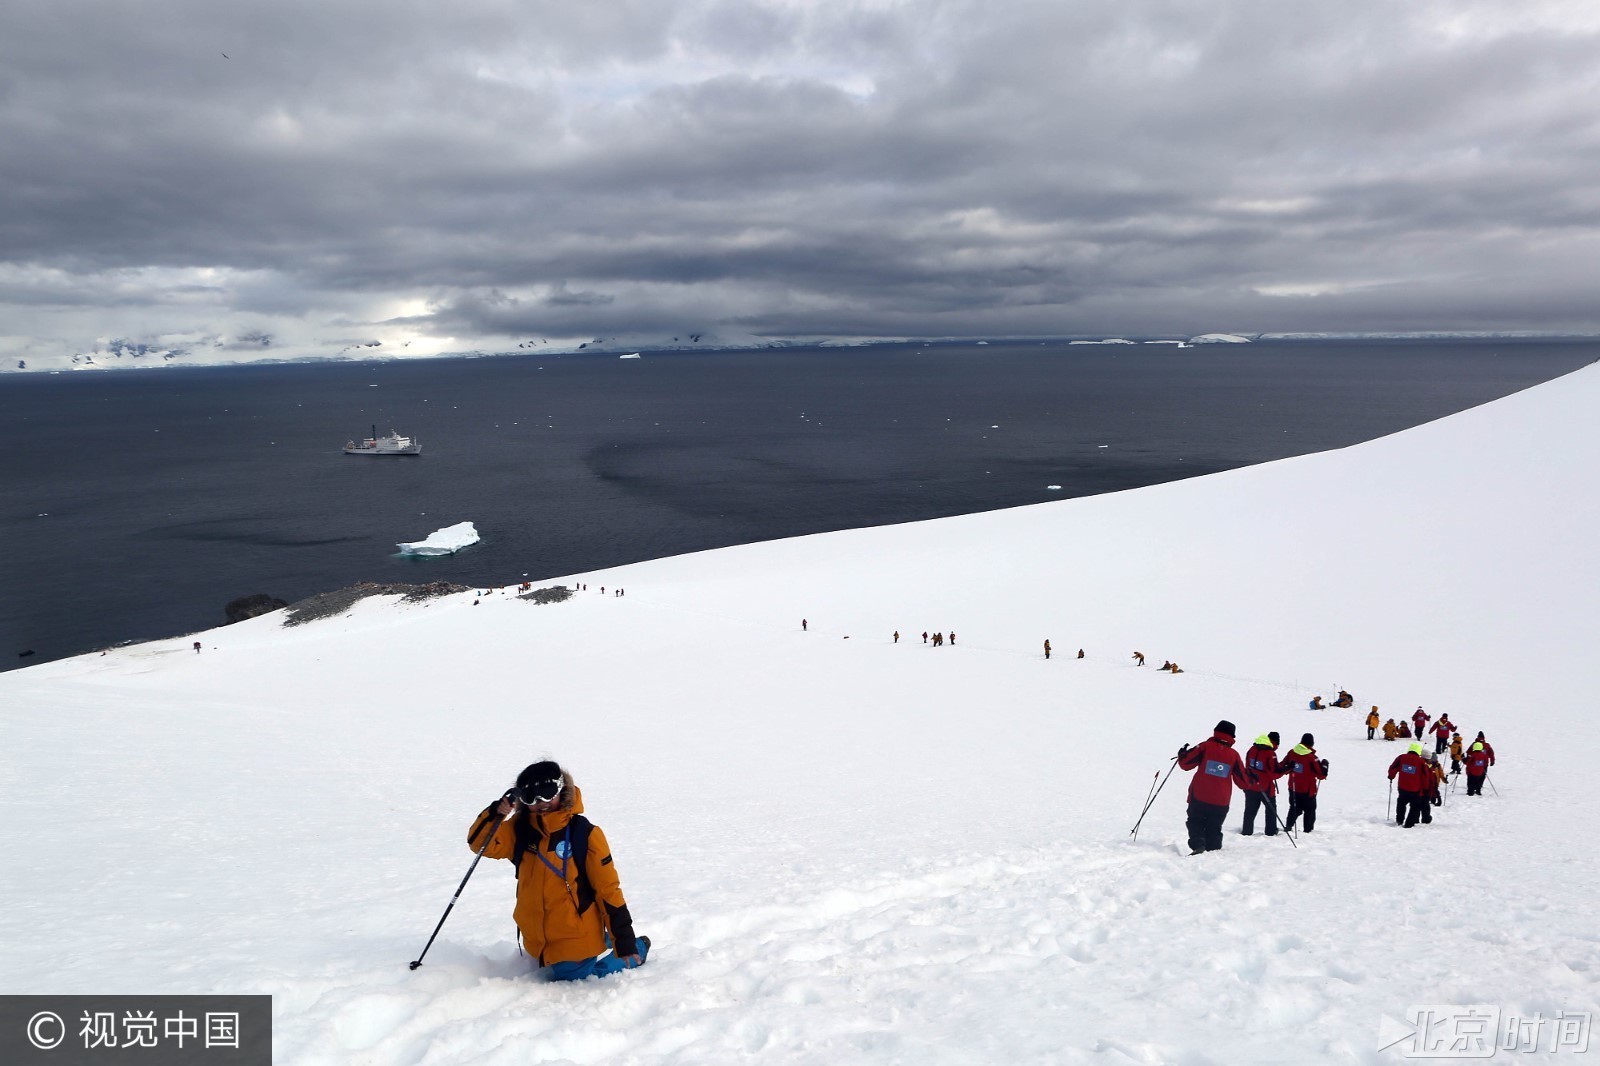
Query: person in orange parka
pixel 1372 723
pixel 569 897
pixel 1390 730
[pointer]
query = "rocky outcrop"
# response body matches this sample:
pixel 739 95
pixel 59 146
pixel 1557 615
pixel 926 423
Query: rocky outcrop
pixel 251 606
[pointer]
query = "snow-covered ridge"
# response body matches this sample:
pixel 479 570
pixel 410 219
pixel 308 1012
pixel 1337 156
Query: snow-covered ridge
pixel 851 848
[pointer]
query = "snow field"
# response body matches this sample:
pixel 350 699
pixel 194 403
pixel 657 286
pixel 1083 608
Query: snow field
pixel 851 850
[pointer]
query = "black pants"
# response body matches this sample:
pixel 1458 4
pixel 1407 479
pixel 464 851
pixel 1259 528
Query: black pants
pixel 1254 801
pixel 1439 744
pixel 1301 803
pixel 1408 808
pixel 1475 784
pixel 1205 826
pixel 1371 730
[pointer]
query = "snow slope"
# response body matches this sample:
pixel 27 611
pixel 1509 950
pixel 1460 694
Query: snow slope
pixel 850 850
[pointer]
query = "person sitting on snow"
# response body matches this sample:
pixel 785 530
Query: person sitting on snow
pixel 569 898
pixel 1390 730
pixel 1405 731
pixel 1317 704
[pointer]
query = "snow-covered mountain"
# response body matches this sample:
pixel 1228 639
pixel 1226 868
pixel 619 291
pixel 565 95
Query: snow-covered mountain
pixel 848 849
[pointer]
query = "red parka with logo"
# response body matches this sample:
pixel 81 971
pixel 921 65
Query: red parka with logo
pixel 1261 760
pixel 1410 772
pixel 1219 769
pixel 1303 769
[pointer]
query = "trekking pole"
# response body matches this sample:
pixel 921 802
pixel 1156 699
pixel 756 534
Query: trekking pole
pixel 487 837
pixel 1389 801
pixel 1273 810
pixel 1151 794
pixel 1496 791
pixel 1134 832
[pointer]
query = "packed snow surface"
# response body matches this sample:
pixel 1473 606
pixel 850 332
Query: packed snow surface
pixel 446 541
pixel 861 850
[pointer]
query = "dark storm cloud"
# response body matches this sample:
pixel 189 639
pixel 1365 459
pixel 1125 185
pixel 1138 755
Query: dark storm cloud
pixel 499 169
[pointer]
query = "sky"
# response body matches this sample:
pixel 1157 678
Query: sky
pixel 299 177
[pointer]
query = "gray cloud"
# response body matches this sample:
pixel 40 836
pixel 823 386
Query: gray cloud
pixel 477 173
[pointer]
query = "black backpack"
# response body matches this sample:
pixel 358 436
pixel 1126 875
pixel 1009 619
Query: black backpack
pixel 576 835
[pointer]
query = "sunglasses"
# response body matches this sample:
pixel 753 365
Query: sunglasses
pixel 538 792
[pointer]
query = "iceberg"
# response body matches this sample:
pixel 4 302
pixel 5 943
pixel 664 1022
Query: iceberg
pixel 630 355
pixel 1219 338
pixel 446 541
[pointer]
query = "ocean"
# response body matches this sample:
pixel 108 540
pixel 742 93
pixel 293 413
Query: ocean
pixel 136 504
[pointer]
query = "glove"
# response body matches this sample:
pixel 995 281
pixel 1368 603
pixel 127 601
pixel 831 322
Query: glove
pixel 1183 751
pixel 1324 764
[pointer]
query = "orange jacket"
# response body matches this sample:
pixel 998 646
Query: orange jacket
pixel 1372 720
pixel 553 928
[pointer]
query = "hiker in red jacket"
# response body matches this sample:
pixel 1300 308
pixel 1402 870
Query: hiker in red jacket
pixel 1479 758
pixel 1262 761
pixel 1441 734
pixel 1412 772
pixel 1419 722
pixel 1211 790
pixel 1305 773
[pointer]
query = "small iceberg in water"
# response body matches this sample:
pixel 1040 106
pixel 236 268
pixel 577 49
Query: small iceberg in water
pixel 446 541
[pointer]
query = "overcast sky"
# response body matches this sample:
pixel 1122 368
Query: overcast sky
pixel 312 173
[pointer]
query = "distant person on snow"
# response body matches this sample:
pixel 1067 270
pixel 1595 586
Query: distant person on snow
pixel 1262 761
pixel 1047 649
pixel 1316 703
pixel 1479 759
pixel 197 647
pixel 897 636
pixel 1344 700
pixel 924 636
pixel 1431 795
pixel 1220 768
pixel 1410 771
pixel 1390 730
pixel 803 625
pixel 1306 773
pixel 569 899
pixel 952 636
pixel 1080 653
pixel 1441 731
pixel 1457 750
pixel 1419 722
pixel 1405 731
pixel 1372 723
pixel 1139 656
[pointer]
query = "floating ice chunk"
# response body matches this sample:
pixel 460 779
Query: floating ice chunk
pixel 1053 488
pixel 446 541
pixel 630 355
pixel 1219 338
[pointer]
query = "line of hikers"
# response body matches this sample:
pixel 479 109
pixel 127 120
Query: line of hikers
pixel 1218 768
pixel 1475 758
pixel 1256 773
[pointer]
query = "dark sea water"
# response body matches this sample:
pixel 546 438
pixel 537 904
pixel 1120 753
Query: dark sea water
pixel 135 504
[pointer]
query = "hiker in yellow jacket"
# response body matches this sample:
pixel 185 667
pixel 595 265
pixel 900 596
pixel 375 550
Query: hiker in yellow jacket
pixel 569 898
pixel 1390 730
pixel 1372 723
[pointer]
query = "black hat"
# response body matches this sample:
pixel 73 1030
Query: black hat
pixel 539 782
pixel 1226 727
pixel 1308 740
pixel 1273 736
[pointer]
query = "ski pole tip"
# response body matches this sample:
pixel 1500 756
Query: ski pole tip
pixel 415 964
